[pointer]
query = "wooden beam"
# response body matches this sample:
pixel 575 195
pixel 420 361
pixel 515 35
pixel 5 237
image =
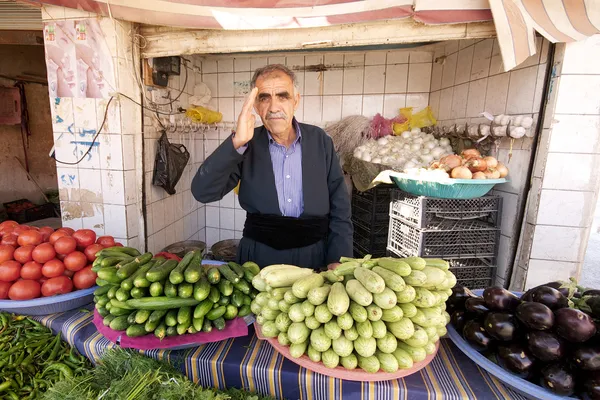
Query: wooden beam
pixel 164 41
pixel 33 38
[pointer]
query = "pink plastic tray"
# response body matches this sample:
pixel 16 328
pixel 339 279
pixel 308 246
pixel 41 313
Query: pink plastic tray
pixel 235 328
pixel 341 372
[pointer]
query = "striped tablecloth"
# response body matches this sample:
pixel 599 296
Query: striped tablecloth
pixel 254 365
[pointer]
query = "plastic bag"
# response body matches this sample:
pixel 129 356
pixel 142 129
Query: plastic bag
pixel 169 164
pixel 420 119
pixel 203 115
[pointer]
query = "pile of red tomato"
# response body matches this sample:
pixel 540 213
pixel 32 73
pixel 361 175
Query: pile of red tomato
pixel 38 262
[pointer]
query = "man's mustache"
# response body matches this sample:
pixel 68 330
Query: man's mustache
pixel 276 115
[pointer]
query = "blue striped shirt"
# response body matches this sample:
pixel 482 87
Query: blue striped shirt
pixel 287 169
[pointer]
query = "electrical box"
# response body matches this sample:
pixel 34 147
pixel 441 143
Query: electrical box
pixel 10 106
pixel 163 67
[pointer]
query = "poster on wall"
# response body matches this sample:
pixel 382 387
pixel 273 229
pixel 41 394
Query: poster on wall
pixel 78 59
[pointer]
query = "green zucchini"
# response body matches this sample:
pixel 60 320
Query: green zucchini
pixel 127 283
pixel 219 323
pixel 201 289
pixel 171 318
pixel 119 323
pixel 185 290
pixel 213 275
pixel 216 313
pixel 228 273
pixel 176 275
pixel 184 315
pixel 157 315
pixel 237 268
pixel 225 287
pixel 156 289
pixel 170 289
pixel 193 272
pixel 138 293
pixel 203 308
pixel 160 303
pixel 161 272
pixel 141 316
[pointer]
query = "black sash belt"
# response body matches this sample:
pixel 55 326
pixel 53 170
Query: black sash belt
pixel 282 233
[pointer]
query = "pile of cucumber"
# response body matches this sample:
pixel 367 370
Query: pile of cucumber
pixel 144 295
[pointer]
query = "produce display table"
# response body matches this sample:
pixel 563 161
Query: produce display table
pixel 254 365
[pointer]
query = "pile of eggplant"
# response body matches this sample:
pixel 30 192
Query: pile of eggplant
pixel 549 336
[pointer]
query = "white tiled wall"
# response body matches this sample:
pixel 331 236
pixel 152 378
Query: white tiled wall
pixel 173 218
pixel 468 79
pixel 363 83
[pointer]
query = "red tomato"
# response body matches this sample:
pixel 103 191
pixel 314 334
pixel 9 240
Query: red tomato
pixel 84 237
pixel 20 229
pixel 86 278
pixel 53 268
pixel 29 237
pixel 4 286
pixel 57 235
pixel 75 261
pixel 61 257
pixel 69 273
pixel 5 225
pixel 57 285
pixel 46 231
pixel 10 271
pixel 68 231
pixel 65 245
pixel 10 239
pixel 23 254
pixel 43 252
pixel 31 270
pixel 6 252
pixel 25 289
pixel 42 280
pixel 91 250
pixel 106 241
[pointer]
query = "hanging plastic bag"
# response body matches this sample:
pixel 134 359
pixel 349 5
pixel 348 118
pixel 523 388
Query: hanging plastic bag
pixel 203 115
pixel 169 164
pixel 420 119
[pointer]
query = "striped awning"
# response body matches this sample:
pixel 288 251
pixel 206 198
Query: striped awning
pixel 559 21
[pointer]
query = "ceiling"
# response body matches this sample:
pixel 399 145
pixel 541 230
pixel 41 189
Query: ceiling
pixel 20 16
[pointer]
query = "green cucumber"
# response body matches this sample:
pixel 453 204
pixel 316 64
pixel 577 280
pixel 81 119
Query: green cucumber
pixel 150 326
pixel 103 311
pixel 216 313
pixel 157 315
pixel 111 261
pixel 219 323
pixel 244 310
pixel 112 292
pixel 182 328
pixel 135 331
pixel 156 289
pixel 124 271
pixel 225 287
pixel 131 318
pixel 213 275
pixel 231 312
pixel 106 320
pixel 121 294
pixel 121 304
pixel 237 299
pixel 102 282
pixel 128 251
pixel 170 289
pixel 193 272
pixel 248 275
pixel 172 331
pixel 161 272
pixel 237 268
pixel 108 306
pixel 161 331
pixel 228 273
pixel 127 283
pixel 102 290
pixel 242 286
pixel 119 323
pixel 184 315
pixel 102 300
pixel 201 289
pixel 160 303
pixel 197 323
pixel 141 281
pixel 171 318
pixel 138 293
pixel 224 300
pixel 185 290
pixel 119 312
pixel 252 267
pixel 203 308
pixel 142 316
pixel 109 275
pixel 176 275
pixel 214 294
pixel 206 325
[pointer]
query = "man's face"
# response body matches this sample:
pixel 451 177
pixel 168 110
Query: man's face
pixel 276 101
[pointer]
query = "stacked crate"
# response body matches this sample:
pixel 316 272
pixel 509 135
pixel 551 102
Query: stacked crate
pixel 466 233
pixel 370 217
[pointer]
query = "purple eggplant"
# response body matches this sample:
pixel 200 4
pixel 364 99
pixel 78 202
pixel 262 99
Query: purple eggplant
pixel 499 299
pixel 478 338
pixel 476 306
pixel 459 296
pixel 559 379
pixel 500 326
pixel 516 359
pixel 550 297
pixel 573 325
pixel 545 346
pixel 458 320
pixel 535 316
pixel 587 357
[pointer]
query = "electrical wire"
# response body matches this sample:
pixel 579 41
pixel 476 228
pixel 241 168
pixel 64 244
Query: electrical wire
pixel 93 140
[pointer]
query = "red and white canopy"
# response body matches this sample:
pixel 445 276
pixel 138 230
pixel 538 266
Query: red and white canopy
pixel 516 21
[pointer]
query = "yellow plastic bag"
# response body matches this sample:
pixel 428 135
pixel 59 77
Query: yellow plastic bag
pixel 420 119
pixel 203 115
pixel 236 189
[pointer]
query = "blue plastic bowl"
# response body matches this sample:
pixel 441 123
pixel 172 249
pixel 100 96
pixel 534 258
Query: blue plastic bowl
pixel 448 189
pixel 526 388
pixel 49 305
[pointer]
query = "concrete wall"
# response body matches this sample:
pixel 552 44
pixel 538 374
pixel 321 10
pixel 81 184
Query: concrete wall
pixel 14 184
pixel 566 180
pixel 467 80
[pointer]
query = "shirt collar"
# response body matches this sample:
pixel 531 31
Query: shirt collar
pixel 298 133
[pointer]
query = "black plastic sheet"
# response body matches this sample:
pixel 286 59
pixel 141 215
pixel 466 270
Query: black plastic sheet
pixel 169 163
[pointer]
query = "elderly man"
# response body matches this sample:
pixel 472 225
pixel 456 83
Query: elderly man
pixel 291 183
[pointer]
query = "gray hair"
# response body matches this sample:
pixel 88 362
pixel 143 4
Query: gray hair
pixel 270 69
